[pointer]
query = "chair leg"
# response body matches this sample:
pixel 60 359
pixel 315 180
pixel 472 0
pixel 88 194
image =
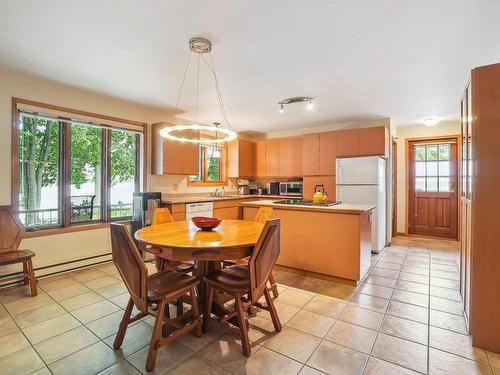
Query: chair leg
pixel 196 313
pixel 123 325
pixel 26 279
pixel 245 341
pixel 272 310
pixel 208 307
pixel 155 336
pixel 274 287
pixel 180 306
pixel 32 278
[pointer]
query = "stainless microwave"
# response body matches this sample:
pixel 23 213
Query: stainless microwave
pixel 291 188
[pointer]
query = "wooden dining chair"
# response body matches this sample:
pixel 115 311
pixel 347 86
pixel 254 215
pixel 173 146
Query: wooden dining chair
pixel 263 215
pixel 162 215
pixel 11 231
pixel 151 294
pixel 247 283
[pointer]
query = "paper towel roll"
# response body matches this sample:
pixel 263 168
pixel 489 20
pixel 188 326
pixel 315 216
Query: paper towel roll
pixel 243 181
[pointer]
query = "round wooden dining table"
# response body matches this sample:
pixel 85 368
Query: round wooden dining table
pixel 182 241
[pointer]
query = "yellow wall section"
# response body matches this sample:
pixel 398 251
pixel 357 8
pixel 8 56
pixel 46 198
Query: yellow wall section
pixel 419 131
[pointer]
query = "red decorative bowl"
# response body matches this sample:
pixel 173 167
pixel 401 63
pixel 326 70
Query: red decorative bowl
pixel 206 223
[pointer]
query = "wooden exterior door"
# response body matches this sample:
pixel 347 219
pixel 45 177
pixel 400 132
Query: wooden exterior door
pixel 433 198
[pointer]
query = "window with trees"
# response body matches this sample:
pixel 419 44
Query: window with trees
pixel 212 166
pixel 75 172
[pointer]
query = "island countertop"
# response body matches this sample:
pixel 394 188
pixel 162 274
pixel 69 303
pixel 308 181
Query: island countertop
pixel 339 208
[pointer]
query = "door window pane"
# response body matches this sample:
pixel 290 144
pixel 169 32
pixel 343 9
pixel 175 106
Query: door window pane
pixel 432 184
pixel 432 168
pixel 444 168
pixel 419 153
pixel 39 172
pixel 420 168
pixel 444 184
pixel 444 152
pixel 123 173
pixel 432 153
pixel 86 173
pixel 420 184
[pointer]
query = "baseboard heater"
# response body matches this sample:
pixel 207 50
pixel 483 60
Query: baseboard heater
pixel 54 269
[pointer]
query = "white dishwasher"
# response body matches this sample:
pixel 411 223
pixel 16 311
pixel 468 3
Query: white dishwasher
pixel 205 209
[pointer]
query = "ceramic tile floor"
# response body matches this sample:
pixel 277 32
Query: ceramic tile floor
pixel 405 318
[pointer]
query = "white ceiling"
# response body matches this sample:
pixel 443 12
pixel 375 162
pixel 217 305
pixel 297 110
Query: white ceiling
pixel 361 60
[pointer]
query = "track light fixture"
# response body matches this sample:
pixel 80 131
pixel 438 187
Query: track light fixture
pixel 297 99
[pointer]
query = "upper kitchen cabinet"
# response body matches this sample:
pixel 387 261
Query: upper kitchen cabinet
pixel 348 142
pixel 172 157
pixel 290 157
pixel 260 159
pixel 272 158
pixel 327 153
pixel 310 154
pixel 241 158
pixel 373 141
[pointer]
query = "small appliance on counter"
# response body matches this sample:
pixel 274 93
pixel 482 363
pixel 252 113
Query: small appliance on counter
pixel 291 188
pixel 143 206
pixel 274 188
pixel 320 194
pixel 243 188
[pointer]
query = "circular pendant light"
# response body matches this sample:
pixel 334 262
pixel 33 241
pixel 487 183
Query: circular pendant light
pixel 200 46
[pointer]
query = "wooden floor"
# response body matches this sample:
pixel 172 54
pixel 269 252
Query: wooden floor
pixel 405 318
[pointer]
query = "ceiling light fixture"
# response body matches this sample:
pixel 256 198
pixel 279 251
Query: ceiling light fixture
pixel 297 99
pixel 201 46
pixel 431 121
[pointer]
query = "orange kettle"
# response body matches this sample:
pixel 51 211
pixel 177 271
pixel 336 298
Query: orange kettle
pixel 320 194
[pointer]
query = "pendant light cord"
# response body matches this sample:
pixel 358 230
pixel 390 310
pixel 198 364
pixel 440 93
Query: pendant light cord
pixel 182 83
pixel 211 67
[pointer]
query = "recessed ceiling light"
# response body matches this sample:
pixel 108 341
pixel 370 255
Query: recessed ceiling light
pixel 431 121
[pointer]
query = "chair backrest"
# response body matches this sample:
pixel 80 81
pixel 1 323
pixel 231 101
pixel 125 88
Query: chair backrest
pixel 264 214
pixel 11 229
pixel 264 258
pixel 130 265
pixel 162 215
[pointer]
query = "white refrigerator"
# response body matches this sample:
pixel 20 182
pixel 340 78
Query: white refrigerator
pixel 362 181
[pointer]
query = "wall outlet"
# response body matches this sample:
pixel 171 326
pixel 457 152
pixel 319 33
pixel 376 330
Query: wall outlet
pixel 176 187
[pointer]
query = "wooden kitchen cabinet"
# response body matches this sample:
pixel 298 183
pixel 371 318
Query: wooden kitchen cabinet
pixel 348 142
pixel 309 183
pixel 310 154
pixel 327 153
pixel 479 237
pixel 260 159
pixel 290 157
pixel 172 157
pixel 272 151
pixel 241 158
pixel 374 141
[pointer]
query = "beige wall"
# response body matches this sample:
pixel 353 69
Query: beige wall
pixel 419 131
pixel 64 247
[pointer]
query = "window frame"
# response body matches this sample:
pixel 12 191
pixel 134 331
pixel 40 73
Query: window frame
pixel 204 171
pixel 65 225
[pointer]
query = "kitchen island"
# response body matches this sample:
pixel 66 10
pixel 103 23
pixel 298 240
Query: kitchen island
pixel 333 241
